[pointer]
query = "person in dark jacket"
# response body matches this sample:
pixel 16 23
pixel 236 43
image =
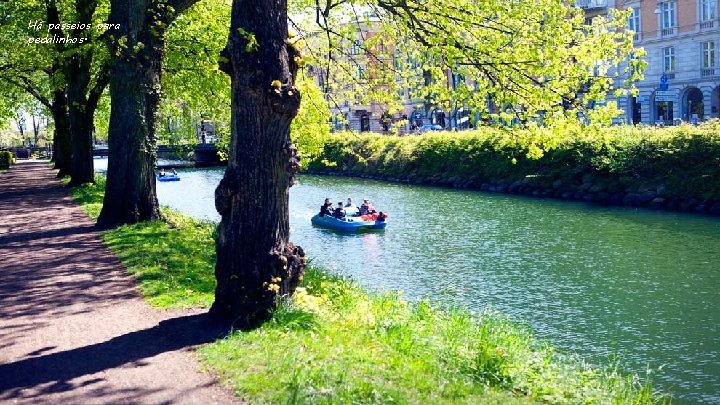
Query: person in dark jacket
pixel 366 208
pixel 326 208
pixel 339 212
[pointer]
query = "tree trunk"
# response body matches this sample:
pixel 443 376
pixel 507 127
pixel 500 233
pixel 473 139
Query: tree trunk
pixel 36 129
pixel 62 154
pixel 255 262
pixel 81 120
pixel 82 150
pixel 130 193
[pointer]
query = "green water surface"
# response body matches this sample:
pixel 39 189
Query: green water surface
pixel 597 281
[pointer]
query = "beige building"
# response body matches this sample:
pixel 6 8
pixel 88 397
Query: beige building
pixel 681 39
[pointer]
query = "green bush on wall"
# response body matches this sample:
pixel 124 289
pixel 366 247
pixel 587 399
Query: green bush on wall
pixel 681 161
pixel 6 158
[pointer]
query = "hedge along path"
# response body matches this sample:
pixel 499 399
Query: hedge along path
pixel 73 326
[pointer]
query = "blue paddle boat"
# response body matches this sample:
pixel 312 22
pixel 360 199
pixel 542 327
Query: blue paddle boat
pixel 169 177
pixel 349 224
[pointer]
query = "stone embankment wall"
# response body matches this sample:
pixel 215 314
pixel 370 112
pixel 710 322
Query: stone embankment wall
pixel 673 169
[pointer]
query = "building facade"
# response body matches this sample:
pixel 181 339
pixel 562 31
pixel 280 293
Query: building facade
pixel 681 39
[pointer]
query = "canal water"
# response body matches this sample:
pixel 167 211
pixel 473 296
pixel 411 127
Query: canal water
pixel 601 282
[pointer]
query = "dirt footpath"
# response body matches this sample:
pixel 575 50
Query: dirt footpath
pixel 73 327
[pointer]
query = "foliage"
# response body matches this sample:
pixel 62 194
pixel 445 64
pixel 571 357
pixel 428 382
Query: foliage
pixel 536 60
pixel 685 159
pixel 40 68
pixel 6 159
pixel 311 127
pixel 193 86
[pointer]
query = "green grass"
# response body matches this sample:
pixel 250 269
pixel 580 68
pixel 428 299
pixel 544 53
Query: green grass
pixel 335 343
pixel 172 259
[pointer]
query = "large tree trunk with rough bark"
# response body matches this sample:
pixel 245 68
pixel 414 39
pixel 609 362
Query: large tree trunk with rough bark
pixel 82 151
pixel 62 152
pixel 255 261
pixel 81 121
pixel 130 194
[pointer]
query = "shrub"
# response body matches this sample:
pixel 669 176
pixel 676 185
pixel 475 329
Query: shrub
pixel 6 159
pixel 684 160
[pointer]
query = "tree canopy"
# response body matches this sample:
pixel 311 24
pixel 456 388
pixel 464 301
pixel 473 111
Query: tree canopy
pixel 526 60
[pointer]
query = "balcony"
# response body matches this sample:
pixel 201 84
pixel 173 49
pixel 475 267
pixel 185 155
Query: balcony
pixel 591 4
pixel 666 32
pixel 707 25
pixel 709 72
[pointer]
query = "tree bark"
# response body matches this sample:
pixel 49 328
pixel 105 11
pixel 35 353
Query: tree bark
pixel 62 153
pixel 81 122
pixel 130 194
pixel 130 191
pixel 74 63
pixel 255 261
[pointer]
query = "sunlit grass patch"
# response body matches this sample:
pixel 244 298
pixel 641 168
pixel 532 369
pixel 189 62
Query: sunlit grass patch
pixel 173 260
pixel 335 343
pixel 90 196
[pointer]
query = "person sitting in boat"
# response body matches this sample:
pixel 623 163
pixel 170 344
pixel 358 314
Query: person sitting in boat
pixel 339 212
pixel 174 172
pixel 366 208
pixel 351 208
pixel 381 216
pixel 162 173
pixel 326 208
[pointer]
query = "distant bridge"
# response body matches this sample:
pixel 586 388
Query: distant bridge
pixel 202 154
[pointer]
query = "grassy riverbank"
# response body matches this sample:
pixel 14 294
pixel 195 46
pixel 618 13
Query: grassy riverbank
pixel 336 343
pixel 673 168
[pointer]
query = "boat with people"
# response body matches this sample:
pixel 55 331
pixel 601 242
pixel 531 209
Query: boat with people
pixel 349 224
pixel 348 217
pixel 172 176
pixel 169 177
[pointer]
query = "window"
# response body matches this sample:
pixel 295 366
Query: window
pixel 669 15
pixel 634 21
pixel 708 52
pixel 355 48
pixel 708 10
pixel 457 79
pixel 669 59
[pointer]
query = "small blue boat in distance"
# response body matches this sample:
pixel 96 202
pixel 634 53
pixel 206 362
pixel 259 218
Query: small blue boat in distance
pixel 169 177
pixel 349 224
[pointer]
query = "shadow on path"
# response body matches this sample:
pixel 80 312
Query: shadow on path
pixel 54 233
pixel 131 348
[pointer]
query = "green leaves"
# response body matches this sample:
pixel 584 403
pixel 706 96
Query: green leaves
pixel 536 56
pixel 252 44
